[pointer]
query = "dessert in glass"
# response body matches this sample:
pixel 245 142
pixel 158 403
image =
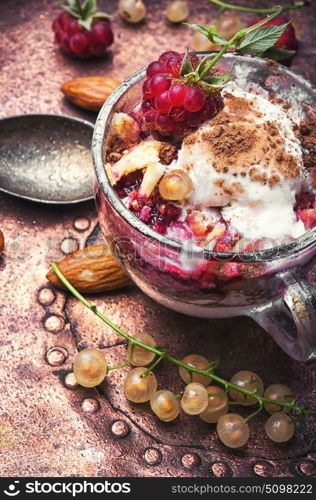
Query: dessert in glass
pixel 212 210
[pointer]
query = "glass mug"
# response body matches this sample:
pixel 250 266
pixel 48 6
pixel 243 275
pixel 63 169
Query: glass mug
pixel 269 285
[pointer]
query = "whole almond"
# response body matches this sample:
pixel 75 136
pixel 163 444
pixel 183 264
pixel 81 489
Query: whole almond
pixel 1 241
pixel 90 270
pixel 89 92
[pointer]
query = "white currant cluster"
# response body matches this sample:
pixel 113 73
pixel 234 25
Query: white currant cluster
pixel 134 11
pixel 199 396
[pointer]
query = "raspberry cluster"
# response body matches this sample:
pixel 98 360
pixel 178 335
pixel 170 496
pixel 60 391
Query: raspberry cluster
pixel 82 37
pixel 171 104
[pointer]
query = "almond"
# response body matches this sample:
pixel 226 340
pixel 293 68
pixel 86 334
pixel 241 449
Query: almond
pixel 152 175
pixel 1 241
pixel 91 270
pixel 89 92
pixel 141 156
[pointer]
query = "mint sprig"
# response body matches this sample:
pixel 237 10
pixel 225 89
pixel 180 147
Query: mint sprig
pixel 85 12
pixel 255 39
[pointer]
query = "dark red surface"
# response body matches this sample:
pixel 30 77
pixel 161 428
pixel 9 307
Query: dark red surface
pixel 48 426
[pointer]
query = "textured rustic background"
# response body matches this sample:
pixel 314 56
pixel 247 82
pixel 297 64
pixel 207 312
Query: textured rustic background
pixel 48 426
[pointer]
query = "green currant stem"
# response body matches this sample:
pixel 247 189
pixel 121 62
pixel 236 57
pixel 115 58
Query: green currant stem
pixel 130 357
pixel 224 5
pixel 93 308
pixel 118 366
pixel 151 367
pixel 301 410
pixel 255 412
pixel 213 365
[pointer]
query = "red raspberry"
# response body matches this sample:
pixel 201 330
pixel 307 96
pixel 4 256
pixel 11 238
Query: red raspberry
pixel 162 103
pixel 172 105
pixel 158 84
pixel 173 66
pixel 177 93
pixel 287 40
pixel 79 43
pixel 178 114
pixel 155 68
pixel 304 200
pixel 166 55
pixel 308 216
pixel 194 99
pixel 80 37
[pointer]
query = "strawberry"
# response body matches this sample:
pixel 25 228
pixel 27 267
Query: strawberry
pixel 81 31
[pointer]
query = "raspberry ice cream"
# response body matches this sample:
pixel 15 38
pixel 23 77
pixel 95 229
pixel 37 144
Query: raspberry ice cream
pixel 248 162
pixel 228 170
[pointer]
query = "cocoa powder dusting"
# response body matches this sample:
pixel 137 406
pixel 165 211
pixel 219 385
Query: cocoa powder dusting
pixel 239 146
pixel 233 140
pixel 307 136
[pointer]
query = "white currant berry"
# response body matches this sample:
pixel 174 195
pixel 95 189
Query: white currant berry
pixel 176 185
pixel 165 405
pixel 248 380
pixel 200 43
pixel 195 361
pixel 279 427
pixel 177 11
pixel 232 430
pixel 133 11
pixel 138 388
pixel 194 399
pixel 278 392
pixel 141 356
pixel 90 367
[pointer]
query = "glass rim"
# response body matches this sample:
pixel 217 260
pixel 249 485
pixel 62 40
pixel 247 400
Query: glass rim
pixel 101 127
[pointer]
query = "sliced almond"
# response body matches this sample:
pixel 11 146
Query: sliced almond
pixel 153 174
pixel 217 232
pixel 109 171
pixel 141 156
pixel 125 127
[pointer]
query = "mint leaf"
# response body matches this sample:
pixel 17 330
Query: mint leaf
pixel 210 33
pixel 199 28
pixel 218 80
pixel 86 23
pixel 71 3
pixel 101 15
pixel 279 54
pixel 186 66
pixel 88 8
pixel 262 39
pixel 71 11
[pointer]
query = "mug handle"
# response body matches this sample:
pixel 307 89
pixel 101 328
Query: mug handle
pixel 291 319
